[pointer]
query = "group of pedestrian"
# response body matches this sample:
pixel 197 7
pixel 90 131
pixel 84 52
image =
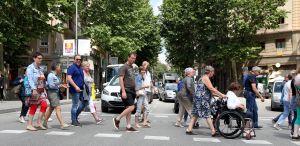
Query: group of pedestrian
pixel 134 86
pixel 291 104
pixel 36 89
pixel 196 101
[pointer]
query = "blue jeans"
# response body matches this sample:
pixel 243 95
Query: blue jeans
pixel 76 97
pixel 252 106
pixel 286 112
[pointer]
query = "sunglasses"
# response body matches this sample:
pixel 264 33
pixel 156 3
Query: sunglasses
pixel 40 58
pixel 78 59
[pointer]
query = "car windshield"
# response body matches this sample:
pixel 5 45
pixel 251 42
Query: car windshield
pixel 278 87
pixel 115 82
pixel 171 87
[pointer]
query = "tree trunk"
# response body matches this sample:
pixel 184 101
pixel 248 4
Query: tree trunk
pixel 234 71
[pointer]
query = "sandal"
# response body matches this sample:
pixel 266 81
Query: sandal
pixel 190 133
pixel 146 126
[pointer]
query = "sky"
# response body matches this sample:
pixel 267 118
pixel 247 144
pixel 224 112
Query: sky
pixel 155 4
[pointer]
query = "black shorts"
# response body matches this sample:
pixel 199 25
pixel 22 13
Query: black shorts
pixel 131 95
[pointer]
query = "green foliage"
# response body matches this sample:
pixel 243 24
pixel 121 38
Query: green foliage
pixel 120 27
pixel 216 31
pixel 24 20
pixel 159 69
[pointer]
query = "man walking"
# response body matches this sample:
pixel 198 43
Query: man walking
pixel 76 81
pixel 127 83
pixel 250 93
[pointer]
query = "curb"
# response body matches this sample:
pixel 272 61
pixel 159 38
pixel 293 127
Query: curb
pixel 4 111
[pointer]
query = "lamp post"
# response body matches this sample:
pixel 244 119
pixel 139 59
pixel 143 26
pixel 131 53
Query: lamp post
pixel 76 28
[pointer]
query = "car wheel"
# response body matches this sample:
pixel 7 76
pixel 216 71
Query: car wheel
pixel 272 106
pixel 160 99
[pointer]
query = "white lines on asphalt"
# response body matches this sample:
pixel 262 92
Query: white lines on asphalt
pixel 161 116
pixel 60 133
pixel 13 131
pixel 108 135
pixel 296 142
pixel 256 142
pixel 157 137
pixel 207 140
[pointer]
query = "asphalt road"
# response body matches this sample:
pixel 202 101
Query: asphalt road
pixel 162 133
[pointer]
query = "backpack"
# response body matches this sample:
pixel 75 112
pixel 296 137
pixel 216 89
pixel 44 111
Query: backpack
pixel 179 86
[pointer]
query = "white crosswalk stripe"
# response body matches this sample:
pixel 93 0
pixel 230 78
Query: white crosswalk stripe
pixel 215 140
pixel 157 137
pixel 60 133
pixel 256 142
pixel 107 135
pixel 296 142
pixel 13 131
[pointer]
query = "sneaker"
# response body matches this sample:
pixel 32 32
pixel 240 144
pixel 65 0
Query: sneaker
pixel 31 128
pixel 50 120
pixel 99 121
pixel 116 123
pixel 131 129
pixel 22 120
pixel 258 127
pixel 276 126
pixel 274 121
pixel 76 124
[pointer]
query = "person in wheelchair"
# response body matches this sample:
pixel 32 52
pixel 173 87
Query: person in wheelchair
pixel 233 103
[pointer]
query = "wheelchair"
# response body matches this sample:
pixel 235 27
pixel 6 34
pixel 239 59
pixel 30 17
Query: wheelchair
pixel 230 124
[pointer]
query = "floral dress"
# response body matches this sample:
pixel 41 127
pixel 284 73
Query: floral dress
pixel 202 101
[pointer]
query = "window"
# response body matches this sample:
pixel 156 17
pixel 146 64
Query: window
pixel 280 44
pixel 44 44
pixel 281 20
pixel 263 45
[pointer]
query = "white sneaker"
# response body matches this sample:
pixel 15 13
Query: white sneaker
pixel 50 120
pixel 21 120
pixel 276 126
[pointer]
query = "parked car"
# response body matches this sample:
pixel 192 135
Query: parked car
pixel 110 96
pixel 263 90
pixel 276 95
pixel 169 92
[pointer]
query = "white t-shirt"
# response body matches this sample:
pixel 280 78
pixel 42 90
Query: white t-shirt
pixel 233 101
pixel 286 90
pixel 147 80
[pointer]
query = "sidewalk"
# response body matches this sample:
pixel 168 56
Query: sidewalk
pixel 14 106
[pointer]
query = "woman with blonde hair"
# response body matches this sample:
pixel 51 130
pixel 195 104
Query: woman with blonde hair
pixel 87 91
pixel 201 101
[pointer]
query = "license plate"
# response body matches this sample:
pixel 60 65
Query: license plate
pixel 118 99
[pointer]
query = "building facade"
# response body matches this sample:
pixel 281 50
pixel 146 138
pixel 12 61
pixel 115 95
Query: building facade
pixel 281 46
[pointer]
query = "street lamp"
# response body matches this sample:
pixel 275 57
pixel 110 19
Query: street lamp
pixel 76 27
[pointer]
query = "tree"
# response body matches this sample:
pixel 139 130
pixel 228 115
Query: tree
pixel 218 32
pixel 120 27
pixel 24 20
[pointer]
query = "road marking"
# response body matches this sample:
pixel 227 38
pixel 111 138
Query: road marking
pixel 161 116
pixel 108 135
pixel 157 137
pixel 13 131
pixel 60 133
pixel 296 142
pixel 256 142
pixel 207 139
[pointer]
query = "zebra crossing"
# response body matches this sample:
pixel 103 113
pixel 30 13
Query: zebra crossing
pixel 146 137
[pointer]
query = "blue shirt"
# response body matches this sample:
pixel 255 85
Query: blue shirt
pixel 77 75
pixel 250 80
pixel 33 72
pixel 53 81
pixel 138 82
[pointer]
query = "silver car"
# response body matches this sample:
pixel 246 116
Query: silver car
pixel 276 95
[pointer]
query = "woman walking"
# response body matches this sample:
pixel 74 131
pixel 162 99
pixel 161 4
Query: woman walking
pixel 54 85
pixel 201 102
pixel 87 91
pixel 142 99
pixel 36 79
pixel 24 94
pixel 297 122
pixel 185 95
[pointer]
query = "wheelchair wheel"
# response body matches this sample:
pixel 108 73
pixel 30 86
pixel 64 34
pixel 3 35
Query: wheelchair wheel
pixel 230 124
